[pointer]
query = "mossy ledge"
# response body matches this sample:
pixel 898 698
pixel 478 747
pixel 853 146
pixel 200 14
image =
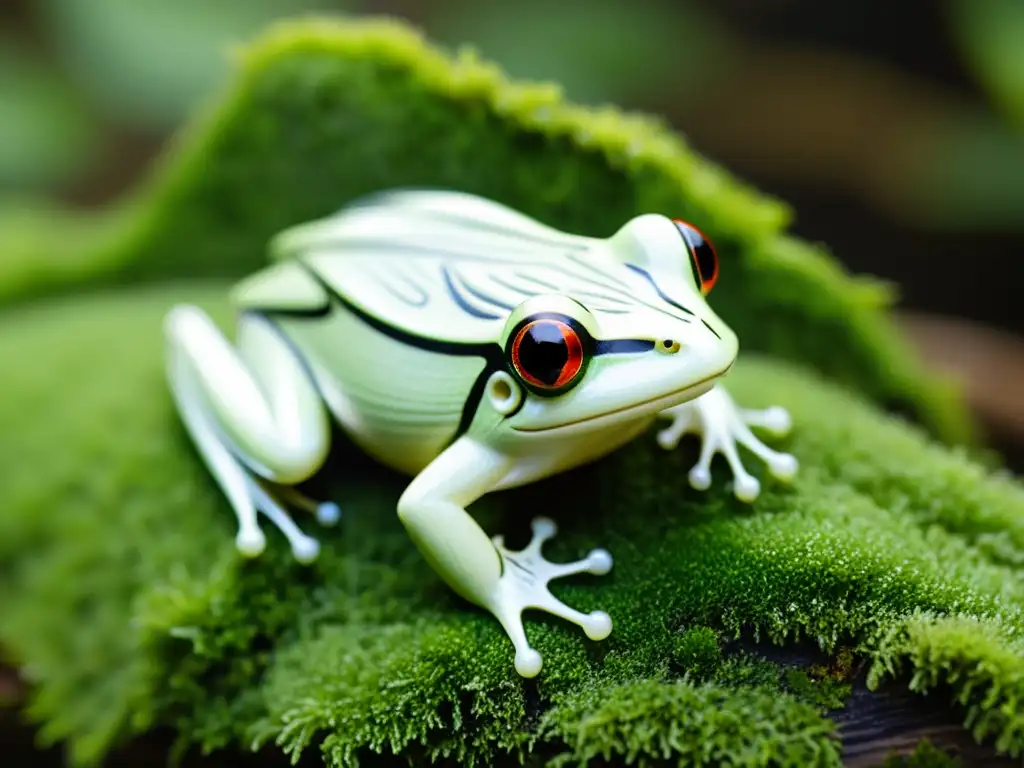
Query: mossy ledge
pixel 125 605
pixel 322 111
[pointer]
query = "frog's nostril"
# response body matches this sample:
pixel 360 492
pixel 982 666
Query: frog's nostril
pixel 669 345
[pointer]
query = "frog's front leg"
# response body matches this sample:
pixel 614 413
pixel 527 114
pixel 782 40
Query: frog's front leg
pixel 723 426
pixel 255 417
pixel 481 569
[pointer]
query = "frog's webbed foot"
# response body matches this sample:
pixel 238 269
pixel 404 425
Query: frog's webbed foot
pixel 524 584
pixel 327 513
pixel 250 539
pixel 268 499
pixel 723 426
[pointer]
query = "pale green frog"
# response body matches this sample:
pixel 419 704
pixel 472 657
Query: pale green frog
pixel 474 349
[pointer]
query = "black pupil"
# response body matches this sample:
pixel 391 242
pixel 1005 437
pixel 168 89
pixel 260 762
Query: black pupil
pixel 543 352
pixel 703 261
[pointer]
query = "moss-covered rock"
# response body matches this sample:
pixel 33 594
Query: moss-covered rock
pixel 125 602
pixel 323 112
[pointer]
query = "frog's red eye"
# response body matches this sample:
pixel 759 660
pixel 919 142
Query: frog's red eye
pixel 703 258
pixel 547 354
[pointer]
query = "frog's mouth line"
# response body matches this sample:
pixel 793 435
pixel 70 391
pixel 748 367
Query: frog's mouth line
pixel 672 397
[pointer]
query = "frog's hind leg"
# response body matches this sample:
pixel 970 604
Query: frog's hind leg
pixel 255 417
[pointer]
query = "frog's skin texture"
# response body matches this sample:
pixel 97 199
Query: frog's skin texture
pixel 402 319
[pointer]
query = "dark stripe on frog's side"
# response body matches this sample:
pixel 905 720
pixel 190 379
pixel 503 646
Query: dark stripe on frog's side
pixel 485 349
pixel 491 352
pixel 622 346
pixel 465 306
pixel 661 294
pixel 621 309
pixel 710 328
pixel 664 297
pixel 422 301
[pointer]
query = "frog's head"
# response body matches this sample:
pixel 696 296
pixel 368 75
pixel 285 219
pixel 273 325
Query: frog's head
pixel 577 361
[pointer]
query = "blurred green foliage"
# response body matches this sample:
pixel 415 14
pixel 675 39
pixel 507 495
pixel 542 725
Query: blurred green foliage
pixel 147 62
pixel 990 35
pixel 46 134
pixel 141 66
pixel 963 165
pixel 596 50
pixel 965 174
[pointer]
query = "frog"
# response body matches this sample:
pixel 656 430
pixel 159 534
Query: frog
pixel 473 349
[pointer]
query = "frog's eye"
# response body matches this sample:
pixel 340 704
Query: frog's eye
pixel 547 353
pixel 703 258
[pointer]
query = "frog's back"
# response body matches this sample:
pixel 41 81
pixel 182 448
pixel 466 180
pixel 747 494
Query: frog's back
pixel 392 304
pixel 398 304
pixel 442 265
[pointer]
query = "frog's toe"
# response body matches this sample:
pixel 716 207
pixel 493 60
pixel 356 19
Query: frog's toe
pixel 668 438
pixel 784 466
pixel 528 662
pixel 598 625
pixel 746 488
pixel 700 478
pixel 774 419
pixel 543 529
pixel 684 420
pixel 599 562
pixel 305 549
pixel 524 584
pixel 328 513
pixel 250 542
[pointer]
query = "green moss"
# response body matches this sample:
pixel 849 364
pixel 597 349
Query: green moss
pixel 826 693
pixel 696 652
pixel 938 651
pixel 647 723
pixel 925 755
pixel 321 112
pixel 750 670
pixel 696 656
pixel 122 598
